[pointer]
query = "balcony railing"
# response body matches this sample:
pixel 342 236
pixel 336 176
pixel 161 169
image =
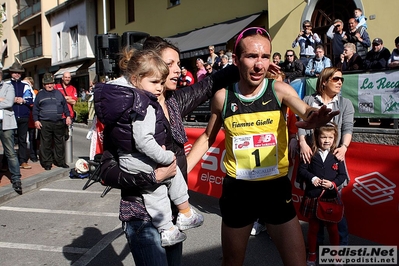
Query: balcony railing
pixel 26 12
pixel 30 53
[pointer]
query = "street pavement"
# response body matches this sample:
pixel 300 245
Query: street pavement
pixel 55 222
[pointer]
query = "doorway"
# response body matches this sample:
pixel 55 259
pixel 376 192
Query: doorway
pixel 324 14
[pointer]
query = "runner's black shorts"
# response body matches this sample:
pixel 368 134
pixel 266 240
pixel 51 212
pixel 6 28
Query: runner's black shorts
pixel 243 202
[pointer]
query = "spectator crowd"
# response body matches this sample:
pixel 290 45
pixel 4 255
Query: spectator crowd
pixel 353 51
pixel 34 124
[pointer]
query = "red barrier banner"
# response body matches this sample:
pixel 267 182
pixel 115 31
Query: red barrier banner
pixel 371 199
pixel 208 174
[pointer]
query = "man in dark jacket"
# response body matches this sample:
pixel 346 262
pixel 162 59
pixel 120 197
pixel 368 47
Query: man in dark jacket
pixel 336 34
pixel 48 110
pixel 359 37
pixel 378 57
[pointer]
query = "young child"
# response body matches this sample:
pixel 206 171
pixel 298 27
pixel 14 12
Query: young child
pixel 324 172
pixel 148 72
pixel 361 19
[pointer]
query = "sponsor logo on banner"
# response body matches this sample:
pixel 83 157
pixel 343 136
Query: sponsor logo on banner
pixel 374 188
pixel 378 93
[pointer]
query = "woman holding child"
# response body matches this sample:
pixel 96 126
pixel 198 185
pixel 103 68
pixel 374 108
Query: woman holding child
pixel 143 237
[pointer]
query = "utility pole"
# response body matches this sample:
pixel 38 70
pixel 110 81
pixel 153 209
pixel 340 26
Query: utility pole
pixel 104 16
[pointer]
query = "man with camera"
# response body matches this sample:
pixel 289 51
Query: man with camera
pixel 336 33
pixel 307 41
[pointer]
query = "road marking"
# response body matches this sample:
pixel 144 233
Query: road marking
pixel 18 209
pixel 76 191
pixel 43 248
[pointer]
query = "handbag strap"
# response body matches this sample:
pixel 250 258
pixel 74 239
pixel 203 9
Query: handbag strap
pixel 336 191
pixel 62 85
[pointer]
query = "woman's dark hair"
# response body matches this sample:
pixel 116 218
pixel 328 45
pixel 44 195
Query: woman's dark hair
pixel 158 44
pixel 290 50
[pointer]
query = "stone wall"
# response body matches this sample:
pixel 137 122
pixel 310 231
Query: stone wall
pixel 376 135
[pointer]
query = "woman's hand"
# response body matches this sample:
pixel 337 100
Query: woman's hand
pixel 305 152
pixel 340 152
pixel 164 172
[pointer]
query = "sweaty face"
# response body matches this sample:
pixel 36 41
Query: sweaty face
pixel 172 60
pixel 153 84
pixel 254 60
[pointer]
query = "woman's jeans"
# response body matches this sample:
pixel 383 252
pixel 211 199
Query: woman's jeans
pixel 145 244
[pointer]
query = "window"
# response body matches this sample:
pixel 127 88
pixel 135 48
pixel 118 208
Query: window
pixel 74 41
pixel 4 50
pixel 111 14
pixel 3 12
pixel 174 3
pixel 130 11
pixel 59 54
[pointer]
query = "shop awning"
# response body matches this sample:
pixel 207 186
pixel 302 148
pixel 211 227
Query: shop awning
pixel 71 69
pixel 196 42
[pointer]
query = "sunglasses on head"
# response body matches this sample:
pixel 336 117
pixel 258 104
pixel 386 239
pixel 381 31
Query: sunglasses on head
pixel 335 79
pixel 249 32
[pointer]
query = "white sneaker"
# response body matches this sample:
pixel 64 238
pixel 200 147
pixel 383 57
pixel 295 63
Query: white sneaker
pixel 257 228
pixel 184 223
pixel 172 237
